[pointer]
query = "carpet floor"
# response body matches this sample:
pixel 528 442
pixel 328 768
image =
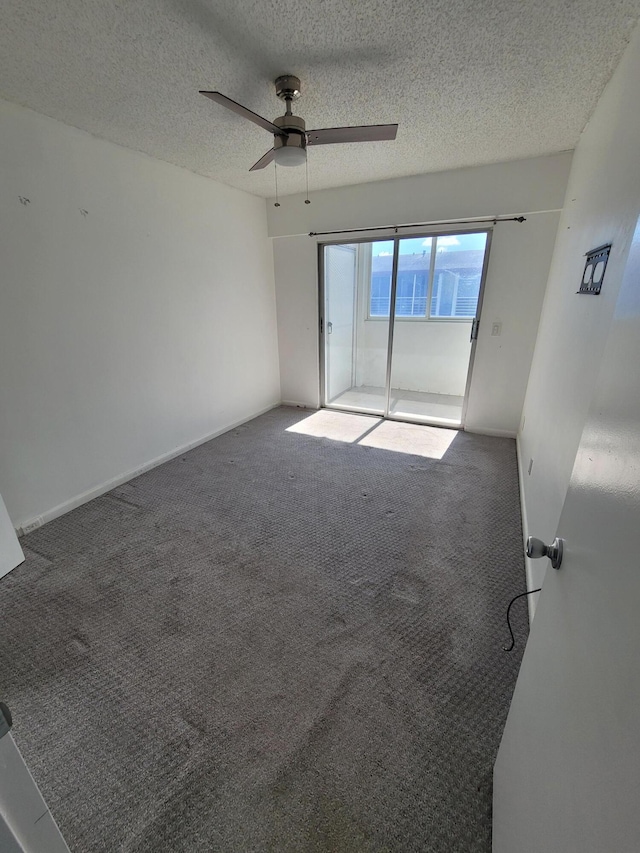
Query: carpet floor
pixel 275 642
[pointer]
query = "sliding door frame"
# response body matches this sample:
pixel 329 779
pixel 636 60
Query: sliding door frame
pixel 474 341
pixel 323 326
pixel 396 238
pixel 392 324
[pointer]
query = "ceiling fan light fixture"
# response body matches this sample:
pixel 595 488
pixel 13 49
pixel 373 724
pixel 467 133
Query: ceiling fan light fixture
pixel 290 155
pixel 290 135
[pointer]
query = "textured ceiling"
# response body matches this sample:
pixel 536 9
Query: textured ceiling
pixel 468 82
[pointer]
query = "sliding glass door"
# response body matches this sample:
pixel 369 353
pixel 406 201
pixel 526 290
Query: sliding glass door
pixel 398 324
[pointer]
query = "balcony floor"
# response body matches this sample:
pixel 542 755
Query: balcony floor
pixel 419 406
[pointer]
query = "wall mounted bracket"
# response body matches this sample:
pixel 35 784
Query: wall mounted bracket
pixel 594 269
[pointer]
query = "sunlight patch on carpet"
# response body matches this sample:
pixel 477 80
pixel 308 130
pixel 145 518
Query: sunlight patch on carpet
pixel 418 440
pixel 396 436
pixel 337 426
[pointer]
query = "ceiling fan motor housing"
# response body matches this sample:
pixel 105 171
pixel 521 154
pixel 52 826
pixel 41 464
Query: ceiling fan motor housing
pixel 296 133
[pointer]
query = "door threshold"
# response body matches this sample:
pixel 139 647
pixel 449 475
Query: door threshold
pixel 443 423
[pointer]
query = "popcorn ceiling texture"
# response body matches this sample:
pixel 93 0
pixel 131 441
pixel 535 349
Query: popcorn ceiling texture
pixel 469 83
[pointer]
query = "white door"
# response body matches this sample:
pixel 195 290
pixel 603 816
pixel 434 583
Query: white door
pixel 10 551
pixel 26 824
pixel 567 776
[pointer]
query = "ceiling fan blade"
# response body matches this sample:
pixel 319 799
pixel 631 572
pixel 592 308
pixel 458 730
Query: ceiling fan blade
pixel 367 133
pixel 237 108
pixel 263 161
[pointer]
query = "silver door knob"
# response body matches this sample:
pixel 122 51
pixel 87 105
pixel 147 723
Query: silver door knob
pixel 536 548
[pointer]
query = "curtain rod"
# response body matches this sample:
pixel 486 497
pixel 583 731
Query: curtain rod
pixel 492 219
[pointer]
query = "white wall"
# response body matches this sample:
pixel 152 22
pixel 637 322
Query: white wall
pixel 518 186
pixel 295 261
pixel 603 199
pixel 138 312
pixel 516 281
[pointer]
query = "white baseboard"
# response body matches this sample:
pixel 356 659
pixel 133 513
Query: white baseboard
pixel 30 524
pixel 296 404
pixel 525 533
pixel 498 433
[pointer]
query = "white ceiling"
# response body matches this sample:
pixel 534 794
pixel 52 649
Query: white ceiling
pixel 468 82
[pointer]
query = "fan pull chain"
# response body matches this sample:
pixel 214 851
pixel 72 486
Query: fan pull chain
pixel 275 172
pixel 306 163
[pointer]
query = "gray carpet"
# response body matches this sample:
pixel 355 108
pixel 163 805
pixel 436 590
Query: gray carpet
pixel 273 643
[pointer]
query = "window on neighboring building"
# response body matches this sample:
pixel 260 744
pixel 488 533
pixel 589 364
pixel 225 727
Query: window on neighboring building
pixel 449 287
pixel 380 294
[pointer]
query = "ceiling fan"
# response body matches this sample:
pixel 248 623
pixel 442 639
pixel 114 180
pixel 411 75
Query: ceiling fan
pixel 290 136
